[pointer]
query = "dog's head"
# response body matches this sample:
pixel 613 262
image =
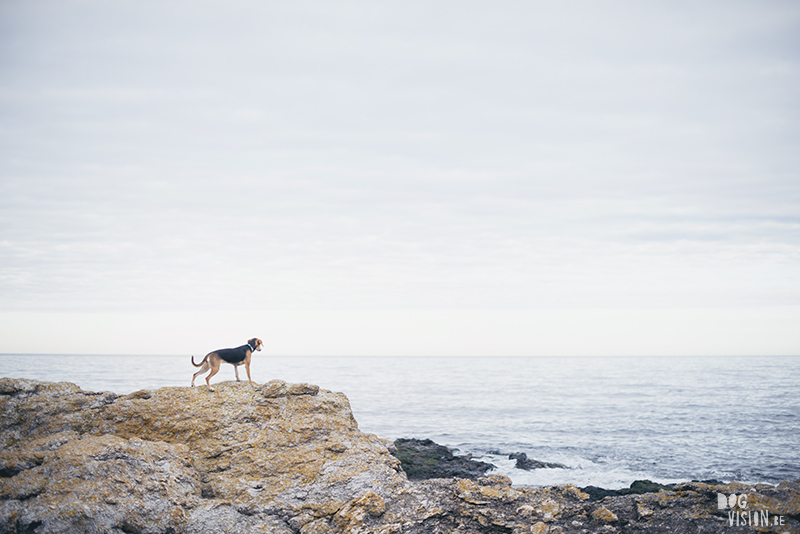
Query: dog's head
pixel 255 343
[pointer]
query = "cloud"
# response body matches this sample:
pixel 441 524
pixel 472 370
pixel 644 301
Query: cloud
pixel 424 156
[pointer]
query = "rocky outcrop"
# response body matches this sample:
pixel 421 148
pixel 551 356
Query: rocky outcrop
pixel 283 458
pixel 638 487
pixel 422 459
pixel 523 462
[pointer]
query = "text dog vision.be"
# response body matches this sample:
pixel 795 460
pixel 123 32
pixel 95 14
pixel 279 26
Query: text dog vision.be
pixel 740 515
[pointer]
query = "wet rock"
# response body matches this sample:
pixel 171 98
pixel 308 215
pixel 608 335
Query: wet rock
pixel 422 459
pixel 596 494
pixel 645 486
pixel 523 462
pixel 638 487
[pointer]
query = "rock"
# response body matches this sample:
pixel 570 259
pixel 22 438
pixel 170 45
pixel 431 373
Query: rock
pixel 423 459
pixel 637 488
pixel 644 486
pixel 523 462
pixel 597 494
pixel 284 458
pixel 604 515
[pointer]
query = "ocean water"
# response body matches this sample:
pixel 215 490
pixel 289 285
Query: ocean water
pixel 609 421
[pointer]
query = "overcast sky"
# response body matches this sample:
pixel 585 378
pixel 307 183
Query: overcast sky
pixel 438 177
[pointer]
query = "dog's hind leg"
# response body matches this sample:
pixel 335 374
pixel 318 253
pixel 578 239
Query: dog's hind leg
pixel 214 370
pixel 203 368
pixel 236 371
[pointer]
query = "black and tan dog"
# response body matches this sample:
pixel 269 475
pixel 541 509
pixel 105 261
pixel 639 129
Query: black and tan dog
pixel 236 357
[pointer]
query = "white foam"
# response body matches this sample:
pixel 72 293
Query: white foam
pixel 578 471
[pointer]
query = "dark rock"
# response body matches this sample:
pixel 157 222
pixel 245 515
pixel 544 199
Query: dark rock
pixel 523 462
pixel 638 487
pixel 596 494
pixel 423 459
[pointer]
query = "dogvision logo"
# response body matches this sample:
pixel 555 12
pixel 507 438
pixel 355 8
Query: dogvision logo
pixel 740 515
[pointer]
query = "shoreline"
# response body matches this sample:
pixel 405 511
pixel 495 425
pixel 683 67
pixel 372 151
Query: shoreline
pixel 537 407
pixel 423 459
pixel 289 458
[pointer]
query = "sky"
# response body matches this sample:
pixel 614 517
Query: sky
pixel 451 178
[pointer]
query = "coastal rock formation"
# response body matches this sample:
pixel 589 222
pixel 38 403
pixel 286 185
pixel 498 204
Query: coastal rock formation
pixel 525 463
pixel 284 458
pixel 422 459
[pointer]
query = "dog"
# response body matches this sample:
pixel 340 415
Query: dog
pixel 236 357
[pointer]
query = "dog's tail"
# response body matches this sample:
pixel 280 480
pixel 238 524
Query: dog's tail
pixel 198 364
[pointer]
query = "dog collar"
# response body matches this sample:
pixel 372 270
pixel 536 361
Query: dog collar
pixel 251 348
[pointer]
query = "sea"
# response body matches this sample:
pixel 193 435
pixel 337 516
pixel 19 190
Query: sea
pixel 608 420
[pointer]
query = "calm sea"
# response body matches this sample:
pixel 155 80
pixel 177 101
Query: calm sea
pixel 609 420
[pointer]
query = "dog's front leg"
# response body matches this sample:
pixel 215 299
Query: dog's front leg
pixel 236 370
